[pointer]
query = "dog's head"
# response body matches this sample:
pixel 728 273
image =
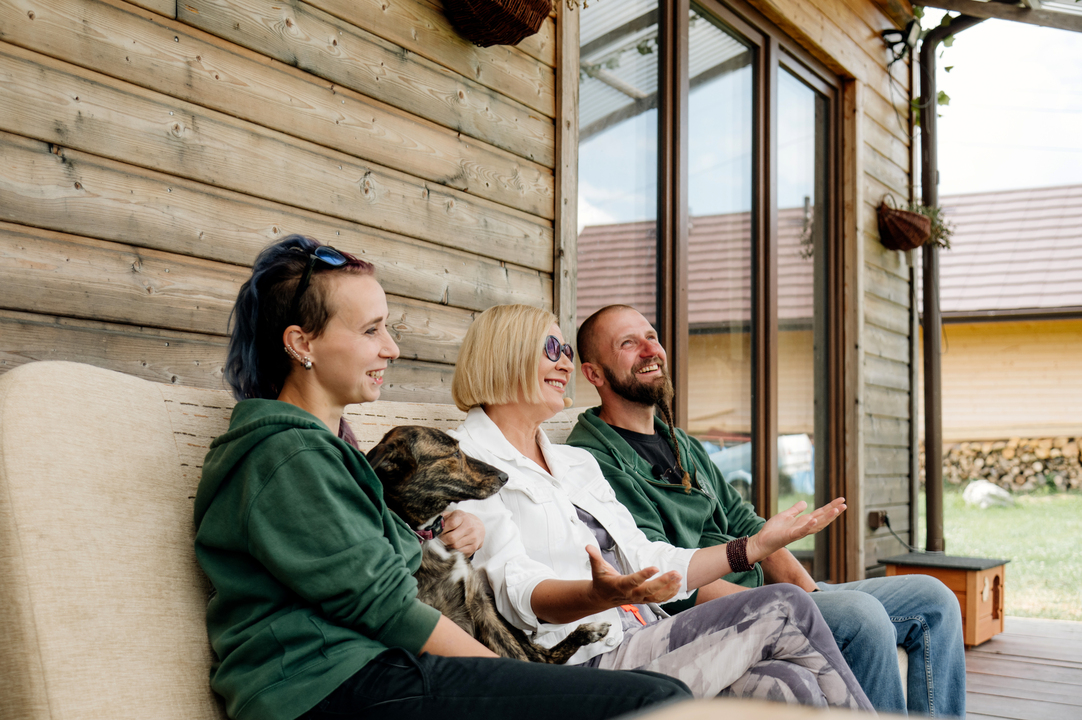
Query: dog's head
pixel 423 471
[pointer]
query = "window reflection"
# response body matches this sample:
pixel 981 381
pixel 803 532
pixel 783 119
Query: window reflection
pixel 617 210
pixel 720 136
pixel 801 331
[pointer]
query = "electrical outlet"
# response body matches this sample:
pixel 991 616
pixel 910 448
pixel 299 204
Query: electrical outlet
pixel 877 519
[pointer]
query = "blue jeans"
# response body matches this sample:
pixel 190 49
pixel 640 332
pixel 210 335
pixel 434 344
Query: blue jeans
pixel 869 618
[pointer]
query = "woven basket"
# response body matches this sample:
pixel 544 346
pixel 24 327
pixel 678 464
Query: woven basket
pixel 497 22
pixel 902 229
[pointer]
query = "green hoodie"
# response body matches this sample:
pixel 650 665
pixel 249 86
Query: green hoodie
pixel 312 574
pixel 711 514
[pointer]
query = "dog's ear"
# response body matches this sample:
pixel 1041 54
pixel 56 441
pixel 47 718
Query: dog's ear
pixel 391 457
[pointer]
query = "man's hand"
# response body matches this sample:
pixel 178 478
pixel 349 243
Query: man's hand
pixel 789 526
pixel 463 532
pixel 611 589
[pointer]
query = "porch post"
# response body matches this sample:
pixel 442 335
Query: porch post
pixel 933 322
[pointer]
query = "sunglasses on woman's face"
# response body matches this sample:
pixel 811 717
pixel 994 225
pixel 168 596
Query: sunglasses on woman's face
pixel 553 348
pixel 324 254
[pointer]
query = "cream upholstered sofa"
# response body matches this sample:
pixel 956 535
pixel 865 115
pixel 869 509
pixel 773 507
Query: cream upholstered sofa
pixel 101 600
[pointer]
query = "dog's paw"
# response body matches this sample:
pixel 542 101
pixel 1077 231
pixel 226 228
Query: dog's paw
pixel 594 631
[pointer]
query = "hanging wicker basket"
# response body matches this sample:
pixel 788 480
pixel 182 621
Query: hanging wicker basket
pixel 497 22
pixel 902 229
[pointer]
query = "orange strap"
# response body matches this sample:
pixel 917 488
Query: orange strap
pixel 634 611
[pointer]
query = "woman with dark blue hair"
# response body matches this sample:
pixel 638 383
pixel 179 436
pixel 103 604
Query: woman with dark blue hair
pixel 315 612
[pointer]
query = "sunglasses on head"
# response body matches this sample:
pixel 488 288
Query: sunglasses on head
pixel 324 254
pixel 553 348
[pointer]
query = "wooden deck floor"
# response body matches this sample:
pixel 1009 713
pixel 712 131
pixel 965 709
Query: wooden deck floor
pixel 1030 671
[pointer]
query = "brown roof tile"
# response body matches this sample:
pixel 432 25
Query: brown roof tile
pixel 1012 251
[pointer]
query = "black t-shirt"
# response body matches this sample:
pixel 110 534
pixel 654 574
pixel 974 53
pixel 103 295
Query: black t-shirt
pixel 654 449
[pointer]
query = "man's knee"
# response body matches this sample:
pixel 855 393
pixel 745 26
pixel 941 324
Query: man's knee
pixel 939 604
pixel 853 615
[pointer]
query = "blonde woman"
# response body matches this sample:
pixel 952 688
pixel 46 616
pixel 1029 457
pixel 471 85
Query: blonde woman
pixel 560 550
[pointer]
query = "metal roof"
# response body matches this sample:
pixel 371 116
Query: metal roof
pixel 1014 253
pixel 616 264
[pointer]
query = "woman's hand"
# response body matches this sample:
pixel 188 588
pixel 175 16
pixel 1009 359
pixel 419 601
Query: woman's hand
pixel 612 589
pixel 790 526
pixel 463 532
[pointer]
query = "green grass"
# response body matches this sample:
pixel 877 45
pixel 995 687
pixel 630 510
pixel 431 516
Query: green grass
pixel 1042 537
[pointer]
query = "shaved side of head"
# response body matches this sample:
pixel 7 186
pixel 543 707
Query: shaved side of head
pixel 586 339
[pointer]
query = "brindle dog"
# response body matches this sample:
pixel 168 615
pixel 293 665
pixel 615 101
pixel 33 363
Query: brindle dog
pixel 423 471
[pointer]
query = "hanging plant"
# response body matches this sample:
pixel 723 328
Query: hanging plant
pixel 901 229
pixel 497 22
pixel 909 228
pixel 941 230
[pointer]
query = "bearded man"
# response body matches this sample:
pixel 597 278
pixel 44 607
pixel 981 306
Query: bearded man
pixel 677 495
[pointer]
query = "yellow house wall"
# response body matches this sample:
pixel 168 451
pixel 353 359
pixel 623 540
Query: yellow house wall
pixel 1011 379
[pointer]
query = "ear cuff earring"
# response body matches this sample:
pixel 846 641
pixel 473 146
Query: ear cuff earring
pixel 306 361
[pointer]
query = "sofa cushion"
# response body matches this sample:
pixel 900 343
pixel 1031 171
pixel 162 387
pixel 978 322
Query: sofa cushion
pixel 103 601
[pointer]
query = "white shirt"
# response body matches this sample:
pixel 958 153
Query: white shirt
pixel 533 533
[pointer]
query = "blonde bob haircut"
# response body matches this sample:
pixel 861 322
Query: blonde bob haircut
pixel 500 357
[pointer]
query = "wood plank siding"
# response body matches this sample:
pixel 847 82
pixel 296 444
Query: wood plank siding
pixel 150 149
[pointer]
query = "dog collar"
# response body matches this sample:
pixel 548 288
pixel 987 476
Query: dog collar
pixel 430 531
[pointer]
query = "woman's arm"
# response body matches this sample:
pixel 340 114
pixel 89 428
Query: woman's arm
pixel 449 640
pixel 565 601
pixel 709 564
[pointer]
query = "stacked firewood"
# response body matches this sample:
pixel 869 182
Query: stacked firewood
pixel 1018 465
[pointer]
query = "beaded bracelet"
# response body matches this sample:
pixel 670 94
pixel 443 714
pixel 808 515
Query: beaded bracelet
pixel 736 551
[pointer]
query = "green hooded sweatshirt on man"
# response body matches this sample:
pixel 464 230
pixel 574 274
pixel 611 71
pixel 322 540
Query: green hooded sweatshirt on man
pixel 712 513
pixel 312 575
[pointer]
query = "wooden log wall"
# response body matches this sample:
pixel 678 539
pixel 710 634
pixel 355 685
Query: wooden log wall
pixel 877 160
pixel 149 150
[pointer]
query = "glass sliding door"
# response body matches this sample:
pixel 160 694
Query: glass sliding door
pixel 720 203
pixel 801 221
pixel 729 114
pixel 618 171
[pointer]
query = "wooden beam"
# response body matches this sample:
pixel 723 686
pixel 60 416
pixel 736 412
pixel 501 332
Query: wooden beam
pixel 164 356
pixel 297 34
pixel 423 29
pixel 67 106
pixel 565 249
pixel 999 11
pixel 73 192
pixel 123 42
pixel 67 275
pixel 854 370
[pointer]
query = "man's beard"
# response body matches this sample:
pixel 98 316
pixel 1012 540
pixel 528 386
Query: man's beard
pixel 635 390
